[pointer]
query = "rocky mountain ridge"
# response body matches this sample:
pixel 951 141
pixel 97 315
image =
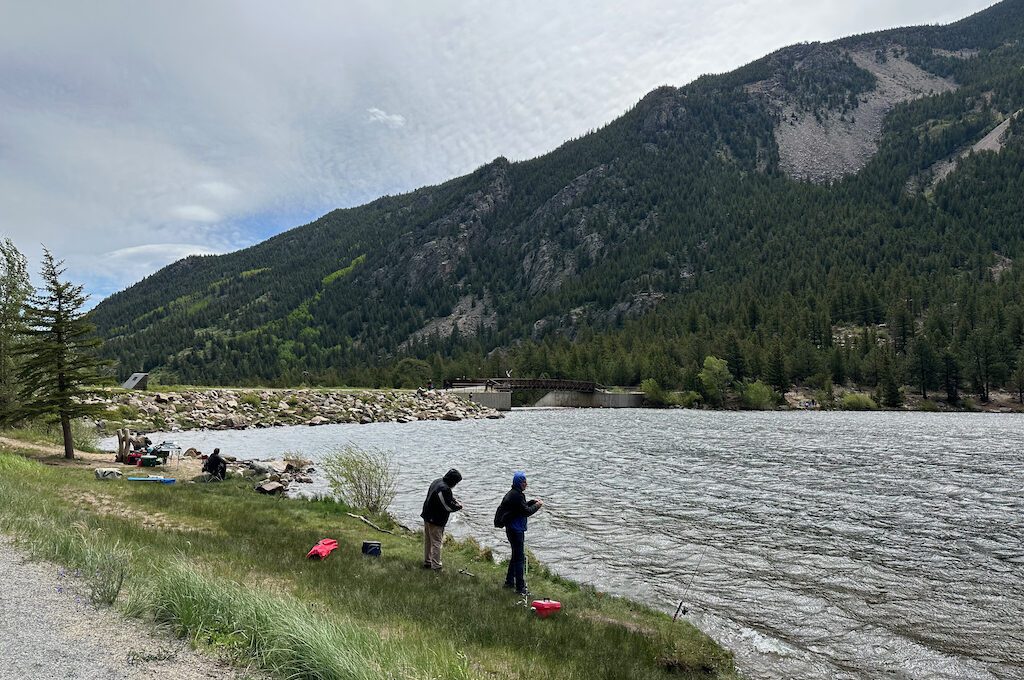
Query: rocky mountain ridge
pixel 783 181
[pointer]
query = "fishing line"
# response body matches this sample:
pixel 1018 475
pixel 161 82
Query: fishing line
pixel 680 608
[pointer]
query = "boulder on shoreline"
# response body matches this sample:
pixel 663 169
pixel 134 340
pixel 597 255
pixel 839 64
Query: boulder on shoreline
pixel 239 409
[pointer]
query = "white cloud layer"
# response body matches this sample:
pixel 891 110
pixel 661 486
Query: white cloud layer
pixel 392 120
pixel 127 126
pixel 195 213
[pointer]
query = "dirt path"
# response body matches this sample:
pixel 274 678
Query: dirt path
pixel 50 454
pixel 49 629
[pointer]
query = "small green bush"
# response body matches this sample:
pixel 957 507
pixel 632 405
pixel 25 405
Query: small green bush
pixel 127 412
pixel 362 478
pixel 104 572
pixel 758 396
pixel 84 435
pixel 855 401
pixel 688 399
pixel 250 399
pixel 654 395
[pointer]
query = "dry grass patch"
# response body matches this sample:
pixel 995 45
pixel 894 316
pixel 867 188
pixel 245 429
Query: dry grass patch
pixel 101 504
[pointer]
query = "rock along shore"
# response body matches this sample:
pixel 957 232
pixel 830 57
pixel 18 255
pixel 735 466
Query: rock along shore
pixel 240 409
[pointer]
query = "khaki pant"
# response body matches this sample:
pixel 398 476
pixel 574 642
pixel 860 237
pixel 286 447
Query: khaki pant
pixel 433 536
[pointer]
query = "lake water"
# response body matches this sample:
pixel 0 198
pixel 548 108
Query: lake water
pixel 815 545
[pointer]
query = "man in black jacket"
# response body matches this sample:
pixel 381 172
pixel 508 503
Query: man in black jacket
pixel 512 514
pixel 439 504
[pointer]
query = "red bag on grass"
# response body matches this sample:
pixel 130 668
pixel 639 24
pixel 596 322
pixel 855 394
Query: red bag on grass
pixel 322 549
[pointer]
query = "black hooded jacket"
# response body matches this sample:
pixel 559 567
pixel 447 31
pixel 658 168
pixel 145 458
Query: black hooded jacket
pixel 440 502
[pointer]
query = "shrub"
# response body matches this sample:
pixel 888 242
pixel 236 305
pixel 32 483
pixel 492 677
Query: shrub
pixel 127 412
pixel 250 399
pixel 654 395
pixel 104 572
pixel 688 399
pixel 84 435
pixel 715 378
pixel 362 478
pixel 758 396
pixel 855 401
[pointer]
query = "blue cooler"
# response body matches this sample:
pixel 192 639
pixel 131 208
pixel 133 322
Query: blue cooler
pixel 371 548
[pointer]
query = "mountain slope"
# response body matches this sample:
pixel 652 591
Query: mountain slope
pixel 751 212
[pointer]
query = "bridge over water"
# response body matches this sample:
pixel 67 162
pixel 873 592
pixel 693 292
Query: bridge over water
pixel 497 392
pixel 522 384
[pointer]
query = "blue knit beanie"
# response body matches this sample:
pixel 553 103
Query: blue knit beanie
pixel 518 479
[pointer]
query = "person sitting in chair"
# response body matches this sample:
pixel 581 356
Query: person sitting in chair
pixel 216 466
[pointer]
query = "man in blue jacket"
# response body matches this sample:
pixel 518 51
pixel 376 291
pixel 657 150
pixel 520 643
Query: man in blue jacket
pixel 512 514
pixel 438 506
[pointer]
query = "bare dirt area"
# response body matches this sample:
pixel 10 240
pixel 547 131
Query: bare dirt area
pixel 49 629
pixel 49 454
pixel 101 504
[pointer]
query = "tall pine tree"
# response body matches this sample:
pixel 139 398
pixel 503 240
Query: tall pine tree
pixel 14 290
pixel 59 370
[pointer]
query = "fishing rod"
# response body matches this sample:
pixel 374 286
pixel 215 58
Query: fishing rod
pixel 680 608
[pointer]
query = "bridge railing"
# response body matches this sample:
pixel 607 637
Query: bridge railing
pixel 520 384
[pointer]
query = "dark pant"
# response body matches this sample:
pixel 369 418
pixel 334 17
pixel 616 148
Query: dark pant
pixel 515 577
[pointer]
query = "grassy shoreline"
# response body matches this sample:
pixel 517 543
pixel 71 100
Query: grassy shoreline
pixel 226 568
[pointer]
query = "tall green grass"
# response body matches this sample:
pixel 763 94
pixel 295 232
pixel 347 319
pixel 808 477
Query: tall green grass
pixel 228 571
pixel 284 634
pixel 83 434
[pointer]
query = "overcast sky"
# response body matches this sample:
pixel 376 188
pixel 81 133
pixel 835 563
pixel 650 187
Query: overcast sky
pixel 135 133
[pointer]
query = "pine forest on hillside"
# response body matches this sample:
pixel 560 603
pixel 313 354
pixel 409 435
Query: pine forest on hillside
pixel 703 222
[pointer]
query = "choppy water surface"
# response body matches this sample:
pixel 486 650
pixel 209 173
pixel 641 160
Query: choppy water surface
pixel 820 545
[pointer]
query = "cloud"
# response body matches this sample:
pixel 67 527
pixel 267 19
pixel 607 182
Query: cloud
pixel 157 125
pixel 156 253
pixel 218 190
pixel 195 213
pixel 392 120
pixel 106 272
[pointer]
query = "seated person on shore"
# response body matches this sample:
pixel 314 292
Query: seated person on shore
pixel 216 466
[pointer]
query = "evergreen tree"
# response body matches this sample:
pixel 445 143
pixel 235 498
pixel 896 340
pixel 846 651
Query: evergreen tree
pixel 1017 378
pixel 951 375
pixel 923 363
pixel 58 369
pixel 889 383
pixel 734 357
pixel 837 366
pixel 776 373
pixel 14 290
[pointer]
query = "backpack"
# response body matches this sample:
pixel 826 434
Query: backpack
pixel 499 518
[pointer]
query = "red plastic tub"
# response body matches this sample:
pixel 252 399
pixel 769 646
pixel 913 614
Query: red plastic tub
pixel 546 607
